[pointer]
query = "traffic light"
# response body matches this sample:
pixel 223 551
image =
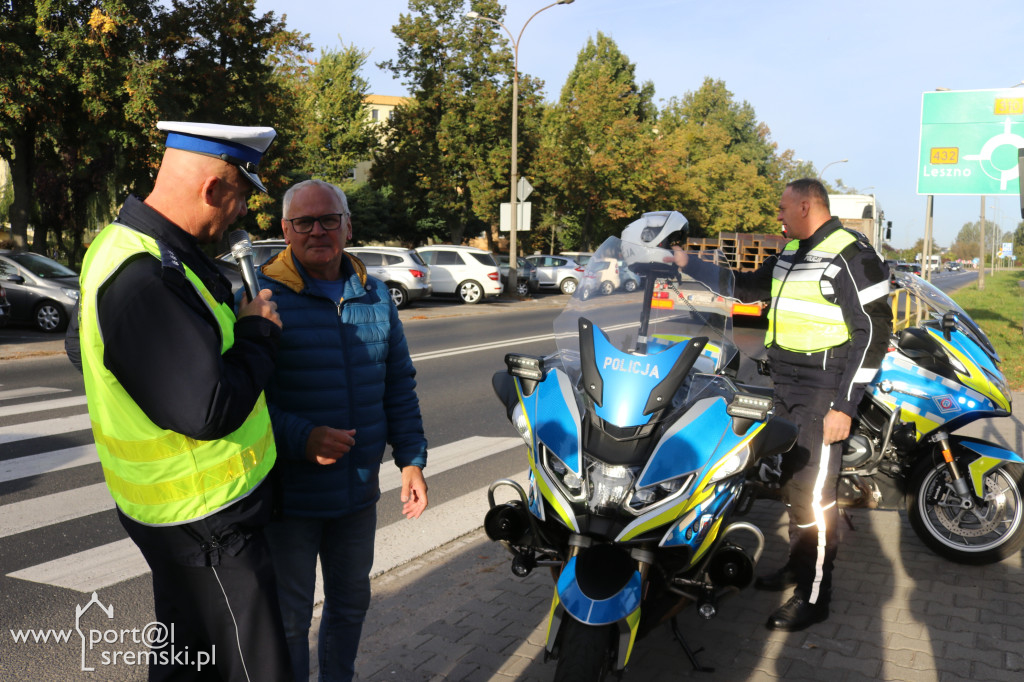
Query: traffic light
pixel 888 231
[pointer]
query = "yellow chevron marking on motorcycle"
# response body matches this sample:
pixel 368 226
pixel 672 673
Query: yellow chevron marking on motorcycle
pixel 568 519
pixel 979 468
pixel 699 496
pixel 633 621
pixel 706 490
pixel 922 423
pixel 975 377
pixel 664 516
pixel 709 540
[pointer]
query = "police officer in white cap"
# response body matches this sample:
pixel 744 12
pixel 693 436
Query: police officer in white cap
pixel 175 390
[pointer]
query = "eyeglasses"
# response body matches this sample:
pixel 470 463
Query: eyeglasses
pixel 328 221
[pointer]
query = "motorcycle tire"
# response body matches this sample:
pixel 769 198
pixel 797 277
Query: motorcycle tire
pixel 585 652
pixel 992 531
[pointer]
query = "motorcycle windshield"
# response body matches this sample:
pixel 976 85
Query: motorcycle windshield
pixel 639 336
pixel 938 304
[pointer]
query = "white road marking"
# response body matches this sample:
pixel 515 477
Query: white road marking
pixel 448 457
pixel 431 355
pixel 47 462
pixel 43 405
pixel 115 562
pixel 48 510
pixel 28 392
pixel 49 427
pixel 90 570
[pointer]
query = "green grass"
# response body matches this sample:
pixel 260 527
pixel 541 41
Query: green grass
pixel 999 311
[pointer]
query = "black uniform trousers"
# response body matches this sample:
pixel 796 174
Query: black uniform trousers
pixel 214 581
pixel 810 475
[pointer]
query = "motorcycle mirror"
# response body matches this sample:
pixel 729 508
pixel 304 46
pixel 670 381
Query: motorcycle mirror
pixel 948 324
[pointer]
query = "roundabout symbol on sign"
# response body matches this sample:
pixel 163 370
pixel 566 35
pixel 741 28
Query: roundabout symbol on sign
pixel 984 157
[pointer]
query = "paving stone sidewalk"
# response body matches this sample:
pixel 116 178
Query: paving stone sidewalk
pixel 898 613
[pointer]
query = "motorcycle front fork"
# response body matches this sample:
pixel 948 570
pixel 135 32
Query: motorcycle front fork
pixel 961 486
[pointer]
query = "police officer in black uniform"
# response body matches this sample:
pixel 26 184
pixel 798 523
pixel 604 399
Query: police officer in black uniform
pixel 829 327
pixel 162 351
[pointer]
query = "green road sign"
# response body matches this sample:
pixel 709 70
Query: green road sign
pixel 969 142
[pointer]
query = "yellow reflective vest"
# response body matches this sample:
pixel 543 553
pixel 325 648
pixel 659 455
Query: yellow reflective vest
pixel 802 319
pixel 157 476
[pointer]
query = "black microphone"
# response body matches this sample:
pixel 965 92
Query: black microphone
pixel 241 249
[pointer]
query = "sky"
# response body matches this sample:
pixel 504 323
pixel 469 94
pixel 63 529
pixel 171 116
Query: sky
pixel 832 80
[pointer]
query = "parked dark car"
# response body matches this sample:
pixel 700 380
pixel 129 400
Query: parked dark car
pixel 5 308
pixel 39 289
pixel 526 274
pixel 914 268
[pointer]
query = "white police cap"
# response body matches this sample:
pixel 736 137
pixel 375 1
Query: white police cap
pixel 241 146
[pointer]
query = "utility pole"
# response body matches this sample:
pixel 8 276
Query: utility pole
pixel 926 248
pixel 981 266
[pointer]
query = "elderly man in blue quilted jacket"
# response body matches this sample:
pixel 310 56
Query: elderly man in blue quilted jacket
pixel 343 388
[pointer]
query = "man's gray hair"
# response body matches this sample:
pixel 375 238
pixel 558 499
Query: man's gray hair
pixel 287 201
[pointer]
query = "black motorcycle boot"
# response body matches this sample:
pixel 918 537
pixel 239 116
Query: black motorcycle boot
pixel 798 614
pixel 777 581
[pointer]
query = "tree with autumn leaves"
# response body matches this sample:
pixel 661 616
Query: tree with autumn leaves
pixel 83 83
pixel 598 157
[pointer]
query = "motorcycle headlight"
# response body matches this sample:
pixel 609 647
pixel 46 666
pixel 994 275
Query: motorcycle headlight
pixel 644 498
pixel 608 485
pixel 571 484
pixel 729 465
pixel 955 362
pixel 522 424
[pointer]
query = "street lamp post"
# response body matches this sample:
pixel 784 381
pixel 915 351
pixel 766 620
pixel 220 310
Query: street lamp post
pixel 821 175
pixel 514 214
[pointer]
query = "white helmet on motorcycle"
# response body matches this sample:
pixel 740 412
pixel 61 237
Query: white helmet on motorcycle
pixel 649 239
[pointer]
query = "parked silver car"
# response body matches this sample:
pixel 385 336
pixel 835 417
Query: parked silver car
pixel 581 257
pixel 557 272
pixel 405 273
pixel 39 289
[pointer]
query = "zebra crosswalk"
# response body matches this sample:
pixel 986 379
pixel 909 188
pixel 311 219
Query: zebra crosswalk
pixel 25 425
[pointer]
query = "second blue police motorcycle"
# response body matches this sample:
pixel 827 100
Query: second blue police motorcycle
pixel 962 495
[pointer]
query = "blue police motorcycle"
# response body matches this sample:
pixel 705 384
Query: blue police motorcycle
pixel 962 495
pixel 639 441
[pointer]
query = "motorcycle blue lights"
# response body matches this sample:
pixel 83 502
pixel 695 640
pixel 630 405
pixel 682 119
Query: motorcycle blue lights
pixel 525 366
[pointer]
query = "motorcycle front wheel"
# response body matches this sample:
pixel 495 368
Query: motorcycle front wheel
pixel 585 654
pixel 990 531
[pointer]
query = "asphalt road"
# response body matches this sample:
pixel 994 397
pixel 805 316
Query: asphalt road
pixel 60 540
pixel 59 537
